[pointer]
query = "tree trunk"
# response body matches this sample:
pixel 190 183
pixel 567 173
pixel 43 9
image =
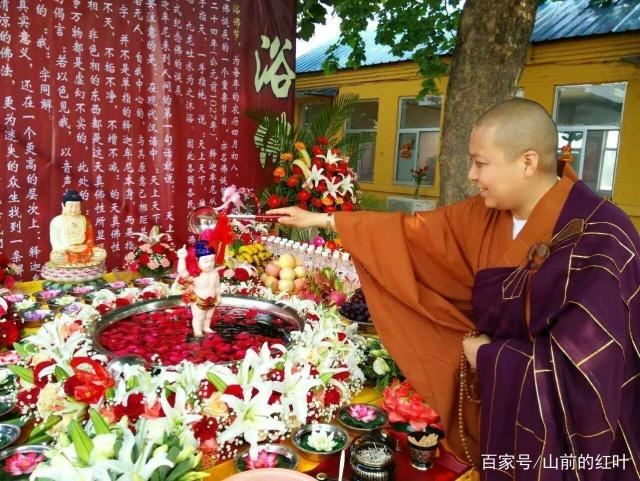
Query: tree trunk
pixel 490 53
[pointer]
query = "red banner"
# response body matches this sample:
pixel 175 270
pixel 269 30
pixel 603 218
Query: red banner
pixel 137 104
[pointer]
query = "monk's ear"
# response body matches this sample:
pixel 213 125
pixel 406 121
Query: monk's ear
pixel 531 161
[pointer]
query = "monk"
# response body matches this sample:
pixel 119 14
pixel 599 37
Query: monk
pixel 517 307
pixel 71 236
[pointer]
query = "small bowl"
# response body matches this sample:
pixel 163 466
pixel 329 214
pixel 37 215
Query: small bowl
pixel 287 459
pixel 352 424
pixel 47 295
pixel 8 434
pixel 81 291
pixel 7 404
pixel 26 448
pixel 13 298
pixel 144 281
pixel 300 436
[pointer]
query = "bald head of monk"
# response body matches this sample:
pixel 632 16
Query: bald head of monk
pixel 513 156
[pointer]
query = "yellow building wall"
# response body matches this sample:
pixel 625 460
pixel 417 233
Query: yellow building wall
pixel 567 62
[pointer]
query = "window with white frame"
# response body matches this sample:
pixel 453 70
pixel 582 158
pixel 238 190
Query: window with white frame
pixel 588 118
pixel 364 119
pixel 418 137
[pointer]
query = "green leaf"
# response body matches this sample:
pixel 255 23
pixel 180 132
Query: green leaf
pixel 81 441
pixel 61 374
pixel 217 382
pixel 326 377
pixel 22 372
pixel 44 427
pixel 183 468
pixel 99 423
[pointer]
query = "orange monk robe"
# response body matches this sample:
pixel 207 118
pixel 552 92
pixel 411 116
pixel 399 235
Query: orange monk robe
pixel 417 273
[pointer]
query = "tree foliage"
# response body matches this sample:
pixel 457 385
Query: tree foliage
pixel 424 27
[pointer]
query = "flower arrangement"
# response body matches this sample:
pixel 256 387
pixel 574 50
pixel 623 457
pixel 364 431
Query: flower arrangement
pixel 8 272
pixel 210 408
pixel 320 181
pixel 419 175
pixel 406 406
pixel 152 258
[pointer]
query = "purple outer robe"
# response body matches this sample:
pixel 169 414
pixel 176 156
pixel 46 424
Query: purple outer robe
pixel 558 389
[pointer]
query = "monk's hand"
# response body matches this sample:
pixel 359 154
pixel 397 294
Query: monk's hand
pixel 297 217
pixel 471 346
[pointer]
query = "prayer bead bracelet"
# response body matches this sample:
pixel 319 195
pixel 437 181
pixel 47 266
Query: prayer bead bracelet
pixel 461 396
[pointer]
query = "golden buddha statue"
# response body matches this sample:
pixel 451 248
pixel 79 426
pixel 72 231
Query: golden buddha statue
pixel 71 236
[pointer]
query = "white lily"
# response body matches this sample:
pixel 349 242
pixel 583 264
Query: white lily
pixel 251 368
pixel 154 236
pixel 346 185
pixel 332 189
pixel 179 414
pixel 252 415
pixel 330 158
pixel 142 467
pixel 315 176
pixel 294 388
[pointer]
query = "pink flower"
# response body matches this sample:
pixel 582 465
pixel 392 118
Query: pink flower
pixel 165 262
pixel 19 463
pixel 265 459
pixel 362 413
pixel 153 264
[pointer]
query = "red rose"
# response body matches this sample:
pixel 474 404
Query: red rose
pixel 273 201
pixel 205 429
pixel 241 274
pixel 319 163
pixel 158 248
pixel 245 238
pixel 122 301
pixel 144 259
pixel 235 390
pixel 341 376
pixel 9 332
pixel 322 186
pixel 274 398
pixel 206 389
pixel 332 245
pixel 134 408
pixel 331 396
pixel 102 308
pixel 316 202
pixel 347 206
pixel 317 150
pixel 329 208
pixel 28 398
pixel 296 170
pixel 343 167
pixel 322 140
pixel 293 181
